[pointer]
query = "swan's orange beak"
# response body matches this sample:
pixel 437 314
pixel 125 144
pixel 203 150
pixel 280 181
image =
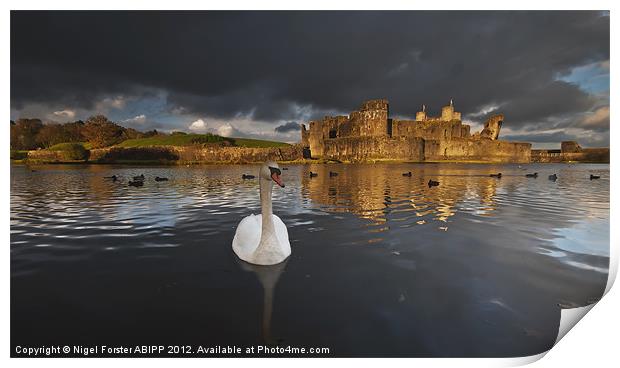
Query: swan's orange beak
pixel 277 179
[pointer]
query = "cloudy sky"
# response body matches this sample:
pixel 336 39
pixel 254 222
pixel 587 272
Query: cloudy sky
pixel 260 74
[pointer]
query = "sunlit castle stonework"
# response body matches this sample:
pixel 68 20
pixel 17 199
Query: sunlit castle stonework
pixel 370 133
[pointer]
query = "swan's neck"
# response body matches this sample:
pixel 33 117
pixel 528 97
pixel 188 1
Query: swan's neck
pixel 265 198
pixel 268 233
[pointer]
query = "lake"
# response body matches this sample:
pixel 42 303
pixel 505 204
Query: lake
pixel 381 264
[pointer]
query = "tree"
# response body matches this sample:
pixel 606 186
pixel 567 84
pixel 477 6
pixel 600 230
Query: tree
pixel 73 131
pixel 130 133
pixel 24 132
pixel 150 133
pixel 101 132
pixel 51 134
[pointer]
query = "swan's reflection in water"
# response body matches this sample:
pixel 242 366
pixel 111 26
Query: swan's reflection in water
pixel 268 277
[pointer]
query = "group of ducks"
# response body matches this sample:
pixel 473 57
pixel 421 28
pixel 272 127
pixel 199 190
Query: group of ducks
pixel 434 183
pixel 137 181
pixel 431 182
pixel 554 177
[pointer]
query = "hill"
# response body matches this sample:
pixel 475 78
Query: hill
pixel 193 139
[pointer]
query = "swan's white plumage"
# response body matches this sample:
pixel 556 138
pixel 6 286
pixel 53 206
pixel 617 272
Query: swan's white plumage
pixel 247 237
pixel 263 243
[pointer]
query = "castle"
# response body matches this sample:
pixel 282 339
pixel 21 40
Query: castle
pixel 370 134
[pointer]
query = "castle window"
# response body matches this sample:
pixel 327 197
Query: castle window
pixel 445 134
pixel 332 133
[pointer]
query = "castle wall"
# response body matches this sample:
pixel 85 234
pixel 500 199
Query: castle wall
pixel 587 155
pixel 210 154
pixel 356 149
pixel 543 155
pixel 464 149
pixel 584 155
pixel 492 127
pixel 429 129
pixel 465 133
pixel 315 138
pixel 179 154
pixel 570 147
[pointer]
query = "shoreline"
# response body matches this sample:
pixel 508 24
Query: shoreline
pixel 289 162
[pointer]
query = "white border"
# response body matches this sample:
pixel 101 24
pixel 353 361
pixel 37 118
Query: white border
pixel 592 342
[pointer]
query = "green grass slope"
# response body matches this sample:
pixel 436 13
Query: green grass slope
pixel 194 139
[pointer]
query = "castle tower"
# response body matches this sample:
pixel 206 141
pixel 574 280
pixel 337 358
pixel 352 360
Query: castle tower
pixel 305 136
pixel 421 115
pixel 447 112
pixel 456 115
pixel 372 118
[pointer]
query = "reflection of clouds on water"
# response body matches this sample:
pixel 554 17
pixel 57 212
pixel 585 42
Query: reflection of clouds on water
pixel 588 237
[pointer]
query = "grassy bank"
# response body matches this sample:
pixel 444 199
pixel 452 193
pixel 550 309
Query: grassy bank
pixel 257 143
pixel 19 155
pixel 198 139
pixel 158 149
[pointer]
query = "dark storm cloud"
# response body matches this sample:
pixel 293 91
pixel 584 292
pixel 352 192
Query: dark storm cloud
pixel 555 98
pixel 288 127
pixel 272 65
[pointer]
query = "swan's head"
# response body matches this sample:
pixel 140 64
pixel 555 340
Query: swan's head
pixel 271 171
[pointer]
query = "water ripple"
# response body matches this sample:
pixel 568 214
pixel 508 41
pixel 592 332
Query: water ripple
pixel 66 207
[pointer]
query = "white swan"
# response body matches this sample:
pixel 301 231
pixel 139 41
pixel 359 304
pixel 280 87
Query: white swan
pixel 263 239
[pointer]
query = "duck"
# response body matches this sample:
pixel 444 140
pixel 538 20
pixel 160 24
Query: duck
pixel 534 175
pixel 244 176
pixel 592 177
pixel 263 239
pixel 113 177
pixel 139 177
pixel 313 175
pixel 136 183
pixel 498 175
pixel 407 174
pixel 157 178
pixel 553 177
pixel 332 173
pixel 432 183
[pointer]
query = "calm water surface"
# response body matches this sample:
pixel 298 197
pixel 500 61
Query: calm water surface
pixel 382 265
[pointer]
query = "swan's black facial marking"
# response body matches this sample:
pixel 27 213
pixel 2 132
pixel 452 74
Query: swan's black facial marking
pixel 275 176
pixel 275 170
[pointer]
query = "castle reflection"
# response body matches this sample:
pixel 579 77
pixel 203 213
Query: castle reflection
pixel 380 192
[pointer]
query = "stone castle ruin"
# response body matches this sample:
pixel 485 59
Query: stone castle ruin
pixel 370 134
pixel 571 151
